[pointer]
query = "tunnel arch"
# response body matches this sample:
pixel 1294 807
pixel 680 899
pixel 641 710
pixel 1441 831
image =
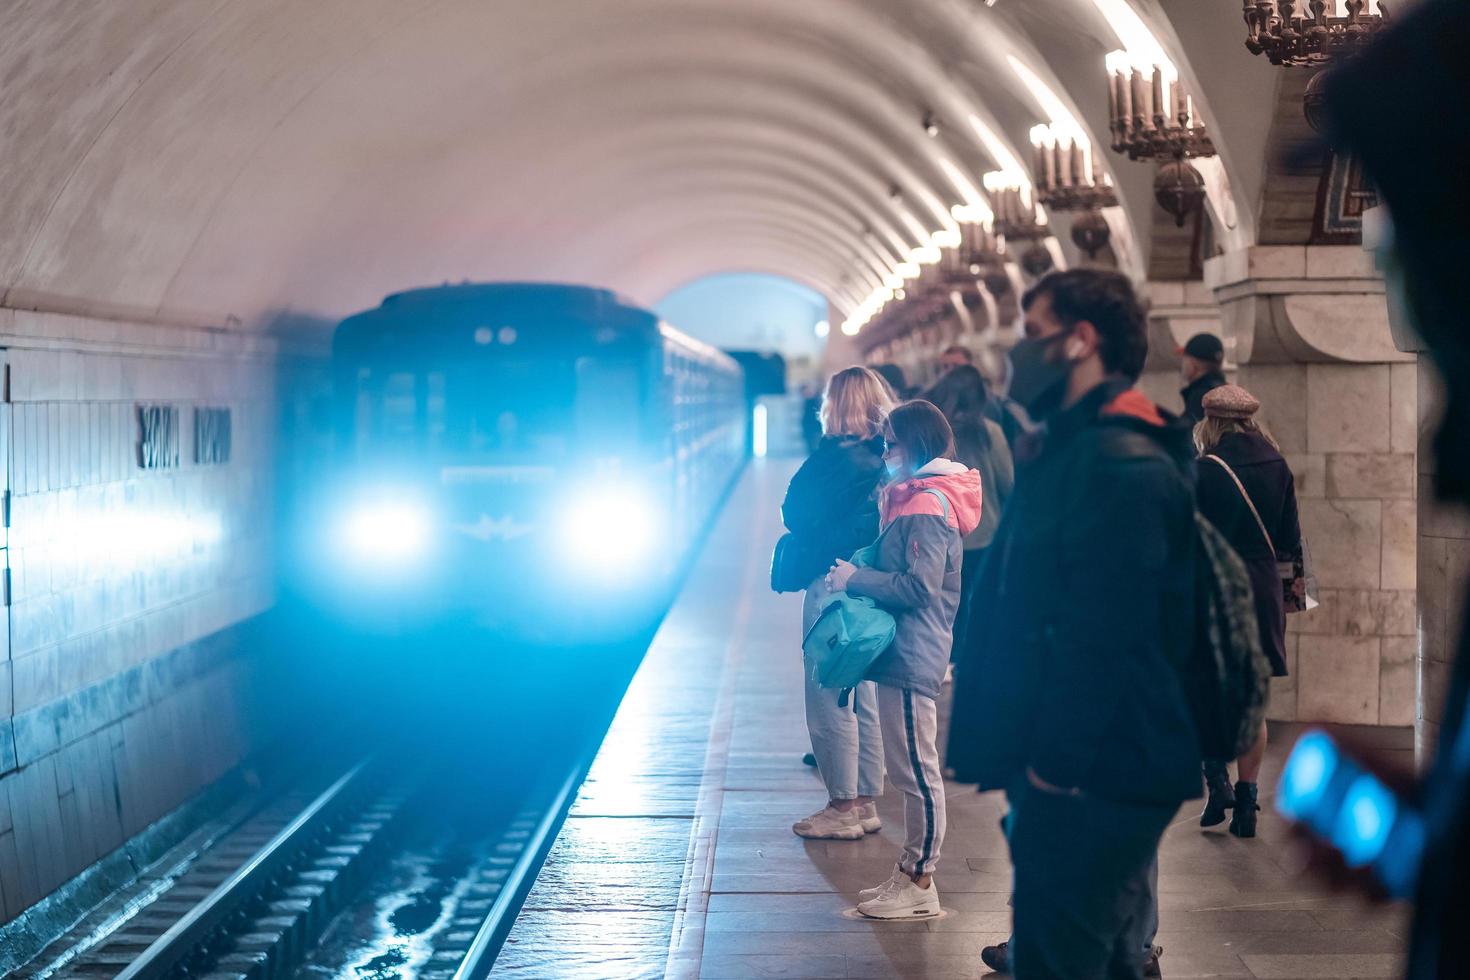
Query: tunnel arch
pixel 235 159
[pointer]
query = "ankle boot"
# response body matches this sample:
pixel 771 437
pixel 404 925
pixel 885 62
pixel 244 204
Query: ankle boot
pixel 1243 823
pixel 1221 798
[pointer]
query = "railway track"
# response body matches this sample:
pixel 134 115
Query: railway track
pixel 318 863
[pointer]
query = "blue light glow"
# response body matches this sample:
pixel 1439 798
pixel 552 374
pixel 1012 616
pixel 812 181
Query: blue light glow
pixel 385 531
pixel 610 531
pixel 1363 823
pixel 758 432
pixel 1307 773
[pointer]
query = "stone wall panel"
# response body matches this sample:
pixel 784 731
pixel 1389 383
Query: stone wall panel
pixel 1370 475
pixel 1339 679
pixel 1397 682
pixel 1348 408
pixel 1346 538
pixel 1404 408
pixel 1400 544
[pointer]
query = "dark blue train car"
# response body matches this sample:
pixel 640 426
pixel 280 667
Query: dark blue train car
pixel 534 459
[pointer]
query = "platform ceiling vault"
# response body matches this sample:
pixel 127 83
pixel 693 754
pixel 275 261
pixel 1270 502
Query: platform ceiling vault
pixel 184 159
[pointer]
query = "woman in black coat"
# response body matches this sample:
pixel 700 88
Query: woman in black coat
pixel 980 444
pixel 1247 491
pixel 831 511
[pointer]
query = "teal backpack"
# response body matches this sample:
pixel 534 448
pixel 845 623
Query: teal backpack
pixel 851 631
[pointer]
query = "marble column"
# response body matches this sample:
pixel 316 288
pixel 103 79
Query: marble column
pixel 1309 328
pixel 1444 571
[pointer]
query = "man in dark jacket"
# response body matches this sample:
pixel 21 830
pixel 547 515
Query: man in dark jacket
pixel 1202 362
pixel 1072 703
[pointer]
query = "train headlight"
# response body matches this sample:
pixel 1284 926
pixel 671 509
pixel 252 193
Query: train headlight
pixel 610 531
pixel 385 531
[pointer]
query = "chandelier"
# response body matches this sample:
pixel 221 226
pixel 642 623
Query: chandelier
pixel 980 248
pixel 1066 175
pixel 1151 116
pixel 1331 28
pixel 1017 217
pixel 1015 214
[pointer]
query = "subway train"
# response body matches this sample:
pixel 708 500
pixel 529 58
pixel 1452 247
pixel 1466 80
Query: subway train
pixel 531 459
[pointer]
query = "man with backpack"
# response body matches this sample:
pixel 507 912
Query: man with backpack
pixel 1073 697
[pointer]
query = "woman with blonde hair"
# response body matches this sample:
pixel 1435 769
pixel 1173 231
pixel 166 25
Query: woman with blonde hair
pixel 831 511
pixel 1247 491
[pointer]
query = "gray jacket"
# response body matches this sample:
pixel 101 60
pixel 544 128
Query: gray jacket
pixel 916 573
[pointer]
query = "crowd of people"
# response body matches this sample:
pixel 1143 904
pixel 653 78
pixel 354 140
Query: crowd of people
pixel 1047 563
pixel 1031 547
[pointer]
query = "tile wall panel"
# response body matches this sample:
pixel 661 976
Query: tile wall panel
pixel 123 687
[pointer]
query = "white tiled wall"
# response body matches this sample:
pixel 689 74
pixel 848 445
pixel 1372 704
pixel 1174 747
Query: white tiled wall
pixel 123 688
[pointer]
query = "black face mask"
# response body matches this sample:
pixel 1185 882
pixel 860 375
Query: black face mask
pixel 1038 384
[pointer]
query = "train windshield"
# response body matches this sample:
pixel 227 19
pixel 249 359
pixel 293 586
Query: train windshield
pixel 527 409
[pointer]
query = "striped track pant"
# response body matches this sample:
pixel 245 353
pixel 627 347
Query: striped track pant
pixel 910 724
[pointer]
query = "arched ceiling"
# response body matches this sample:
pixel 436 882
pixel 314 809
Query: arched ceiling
pixel 205 158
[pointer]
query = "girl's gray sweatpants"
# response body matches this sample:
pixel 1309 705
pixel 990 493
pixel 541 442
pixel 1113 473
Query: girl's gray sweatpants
pixel 910 734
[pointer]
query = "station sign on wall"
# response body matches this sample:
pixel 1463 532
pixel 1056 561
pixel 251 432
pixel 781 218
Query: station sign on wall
pixel 159 436
pixel 211 435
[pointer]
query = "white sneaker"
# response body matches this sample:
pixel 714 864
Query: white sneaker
pixel 830 824
pixel 868 817
pixel 868 894
pixel 903 900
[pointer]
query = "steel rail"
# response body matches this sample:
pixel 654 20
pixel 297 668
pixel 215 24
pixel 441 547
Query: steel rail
pixel 492 932
pixel 185 936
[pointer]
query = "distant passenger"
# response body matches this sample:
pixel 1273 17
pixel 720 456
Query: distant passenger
pixel 1086 726
pixel 980 444
pixel 1202 364
pixel 930 503
pixel 955 356
pixel 831 511
pixel 893 375
pixel 811 418
pixel 1247 491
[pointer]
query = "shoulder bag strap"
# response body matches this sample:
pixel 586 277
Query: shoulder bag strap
pixel 943 501
pixel 1248 502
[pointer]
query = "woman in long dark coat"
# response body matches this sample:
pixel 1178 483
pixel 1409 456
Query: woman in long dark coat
pixel 1247 491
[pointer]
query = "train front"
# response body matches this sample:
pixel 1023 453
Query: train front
pixel 502 467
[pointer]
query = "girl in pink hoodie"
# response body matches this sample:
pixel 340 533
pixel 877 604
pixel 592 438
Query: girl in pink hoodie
pixel 929 504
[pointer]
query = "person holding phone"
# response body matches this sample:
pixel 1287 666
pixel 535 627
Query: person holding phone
pixel 1246 490
pixel 1399 108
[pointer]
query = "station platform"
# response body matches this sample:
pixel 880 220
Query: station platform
pixel 678 860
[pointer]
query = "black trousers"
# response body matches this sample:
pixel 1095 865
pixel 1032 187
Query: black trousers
pixel 969 580
pixel 1082 896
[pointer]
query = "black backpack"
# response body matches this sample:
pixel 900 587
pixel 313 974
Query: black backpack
pixel 1227 676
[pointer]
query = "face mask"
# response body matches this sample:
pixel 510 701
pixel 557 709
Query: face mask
pixel 895 468
pixel 1038 384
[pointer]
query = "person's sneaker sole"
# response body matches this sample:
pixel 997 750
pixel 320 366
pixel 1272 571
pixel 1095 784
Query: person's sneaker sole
pixel 854 832
pixel 913 913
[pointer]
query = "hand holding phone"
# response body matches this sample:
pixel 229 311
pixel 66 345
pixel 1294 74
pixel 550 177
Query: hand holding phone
pixel 1343 805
